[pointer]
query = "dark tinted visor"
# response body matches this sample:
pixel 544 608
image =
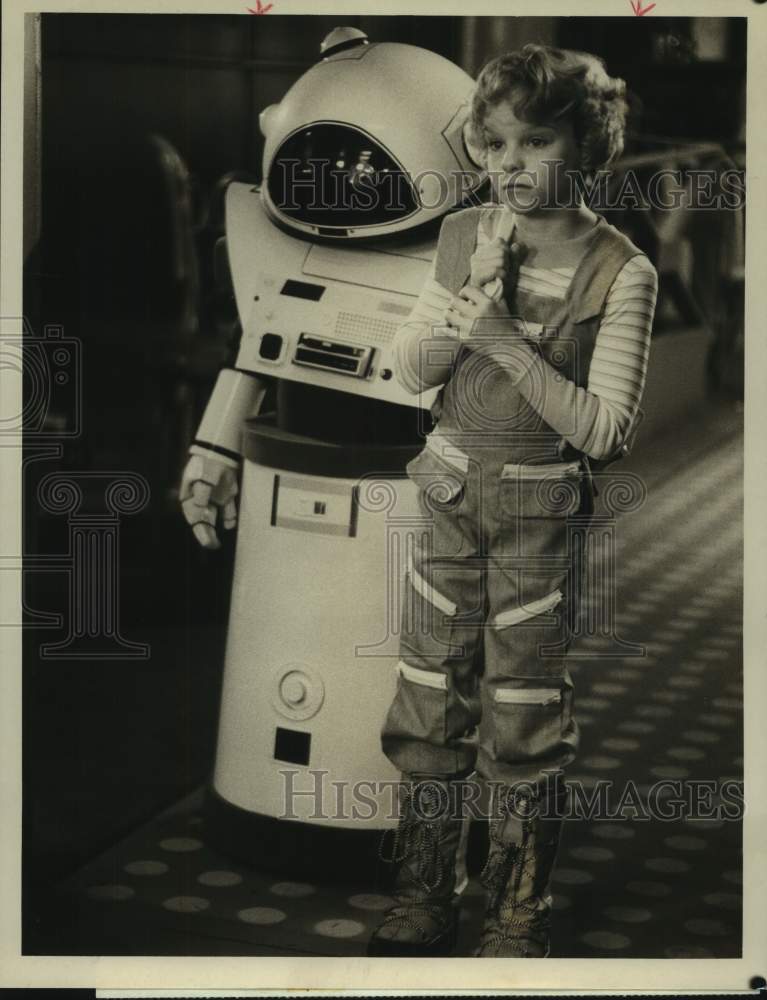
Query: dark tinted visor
pixel 338 176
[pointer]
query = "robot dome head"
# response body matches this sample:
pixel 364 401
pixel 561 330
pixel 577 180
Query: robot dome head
pixel 369 141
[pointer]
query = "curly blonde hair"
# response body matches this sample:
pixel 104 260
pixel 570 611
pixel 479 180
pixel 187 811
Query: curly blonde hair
pixel 555 84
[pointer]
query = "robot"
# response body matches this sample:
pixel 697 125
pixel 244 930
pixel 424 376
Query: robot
pixel 363 157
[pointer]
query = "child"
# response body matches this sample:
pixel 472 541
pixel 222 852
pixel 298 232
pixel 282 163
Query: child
pixel 535 383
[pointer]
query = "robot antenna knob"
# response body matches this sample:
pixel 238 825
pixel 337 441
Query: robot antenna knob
pixel 342 38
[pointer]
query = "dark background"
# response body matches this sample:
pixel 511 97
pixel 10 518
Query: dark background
pixel 124 261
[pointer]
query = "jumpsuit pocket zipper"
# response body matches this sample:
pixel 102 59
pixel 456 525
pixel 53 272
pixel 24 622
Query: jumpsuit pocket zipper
pixel 505 618
pixel 428 593
pixel 425 678
pixel 514 470
pixel 528 696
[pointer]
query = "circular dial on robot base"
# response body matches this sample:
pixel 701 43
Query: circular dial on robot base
pixel 297 691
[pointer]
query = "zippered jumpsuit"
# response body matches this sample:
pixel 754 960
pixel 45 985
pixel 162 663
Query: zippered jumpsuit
pixel 495 575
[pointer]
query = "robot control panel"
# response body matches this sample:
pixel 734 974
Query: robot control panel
pixel 318 314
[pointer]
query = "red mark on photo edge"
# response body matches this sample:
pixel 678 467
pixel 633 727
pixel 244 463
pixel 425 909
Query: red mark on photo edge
pixel 265 8
pixel 639 10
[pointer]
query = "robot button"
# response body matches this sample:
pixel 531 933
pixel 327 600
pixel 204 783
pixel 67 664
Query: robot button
pixel 270 347
pixel 294 690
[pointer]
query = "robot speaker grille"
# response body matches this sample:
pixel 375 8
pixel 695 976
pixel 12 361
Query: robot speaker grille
pixel 356 326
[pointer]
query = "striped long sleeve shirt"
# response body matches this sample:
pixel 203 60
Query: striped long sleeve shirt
pixel 603 412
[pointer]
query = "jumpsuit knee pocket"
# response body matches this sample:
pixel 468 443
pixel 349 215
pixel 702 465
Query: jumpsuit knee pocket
pixel 530 717
pixel 531 709
pixel 419 709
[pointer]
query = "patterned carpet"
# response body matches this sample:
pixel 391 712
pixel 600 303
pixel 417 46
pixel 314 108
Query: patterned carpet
pixel 632 887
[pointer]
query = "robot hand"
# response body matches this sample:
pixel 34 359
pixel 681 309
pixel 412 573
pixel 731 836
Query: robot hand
pixel 208 486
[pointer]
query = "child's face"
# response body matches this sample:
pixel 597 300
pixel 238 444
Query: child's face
pixel 517 155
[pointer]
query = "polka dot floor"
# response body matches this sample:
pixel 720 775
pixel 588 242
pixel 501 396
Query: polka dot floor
pixel 624 887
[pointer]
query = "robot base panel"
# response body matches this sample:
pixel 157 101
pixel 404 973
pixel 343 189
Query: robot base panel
pixel 313 643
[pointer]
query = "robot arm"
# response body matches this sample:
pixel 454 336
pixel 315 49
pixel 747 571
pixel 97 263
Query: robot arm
pixel 209 481
pixel 236 396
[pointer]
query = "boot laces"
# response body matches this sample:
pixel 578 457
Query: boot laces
pixel 514 922
pixel 417 838
pixel 507 866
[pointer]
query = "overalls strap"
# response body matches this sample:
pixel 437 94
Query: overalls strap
pixel 600 266
pixel 457 242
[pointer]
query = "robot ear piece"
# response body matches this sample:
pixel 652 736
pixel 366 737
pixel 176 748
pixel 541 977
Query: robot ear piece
pixel 266 118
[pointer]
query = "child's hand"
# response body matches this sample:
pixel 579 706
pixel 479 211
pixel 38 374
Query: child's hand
pixel 472 313
pixel 488 262
pixel 495 260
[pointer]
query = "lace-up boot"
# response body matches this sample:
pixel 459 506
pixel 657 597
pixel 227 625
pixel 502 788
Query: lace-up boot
pixel 423 920
pixel 523 849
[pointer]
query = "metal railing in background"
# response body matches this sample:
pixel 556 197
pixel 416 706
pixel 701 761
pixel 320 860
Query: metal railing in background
pixel 684 205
